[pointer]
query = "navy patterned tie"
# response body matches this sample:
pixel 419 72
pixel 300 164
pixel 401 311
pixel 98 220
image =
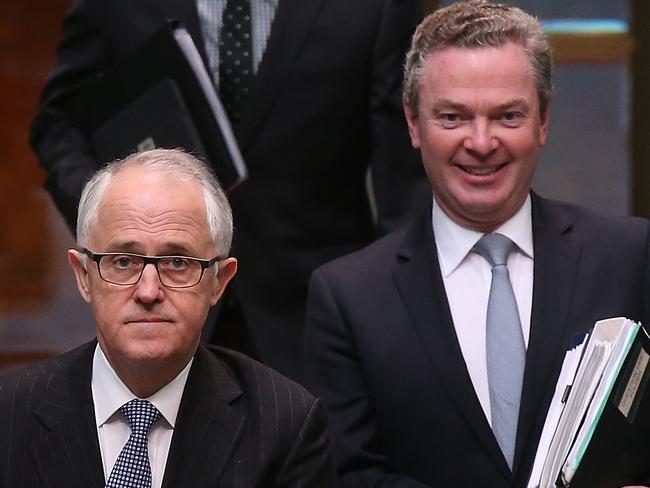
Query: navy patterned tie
pixel 505 348
pixel 236 56
pixel 132 468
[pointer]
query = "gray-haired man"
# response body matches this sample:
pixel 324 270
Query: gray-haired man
pixel 145 405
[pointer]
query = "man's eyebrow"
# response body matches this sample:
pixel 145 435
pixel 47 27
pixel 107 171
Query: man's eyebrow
pixel 513 103
pixel 175 248
pixel 445 103
pixel 124 246
pixel 135 247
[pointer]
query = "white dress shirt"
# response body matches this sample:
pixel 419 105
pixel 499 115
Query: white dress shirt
pixel 110 393
pixel 467 277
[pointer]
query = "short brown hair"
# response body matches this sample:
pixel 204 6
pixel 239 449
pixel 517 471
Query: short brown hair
pixel 479 23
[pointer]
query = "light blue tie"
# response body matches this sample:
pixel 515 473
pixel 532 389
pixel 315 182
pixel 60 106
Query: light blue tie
pixel 505 348
pixel 132 468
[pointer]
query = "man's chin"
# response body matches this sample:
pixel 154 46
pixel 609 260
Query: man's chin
pixel 483 215
pixel 149 350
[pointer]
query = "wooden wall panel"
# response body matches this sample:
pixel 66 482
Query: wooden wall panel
pixel 29 31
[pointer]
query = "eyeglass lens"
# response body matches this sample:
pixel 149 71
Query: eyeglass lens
pixel 174 271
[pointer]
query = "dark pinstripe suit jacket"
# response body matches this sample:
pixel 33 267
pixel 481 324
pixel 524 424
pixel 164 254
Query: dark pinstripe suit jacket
pixel 240 424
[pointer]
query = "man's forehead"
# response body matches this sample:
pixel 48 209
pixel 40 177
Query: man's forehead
pixel 149 208
pixel 146 187
pixel 482 67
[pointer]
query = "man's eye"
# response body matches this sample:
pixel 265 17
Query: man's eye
pixel 449 120
pixel 176 263
pixel 450 117
pixel 512 117
pixel 123 262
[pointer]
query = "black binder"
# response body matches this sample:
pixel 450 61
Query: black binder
pixel 618 453
pixel 158 118
pixel 159 96
pixel 599 417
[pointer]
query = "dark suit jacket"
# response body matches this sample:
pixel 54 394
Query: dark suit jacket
pixel 240 424
pixel 381 348
pixel 324 107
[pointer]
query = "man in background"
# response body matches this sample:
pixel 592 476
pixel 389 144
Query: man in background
pixel 437 349
pixel 145 405
pixel 314 107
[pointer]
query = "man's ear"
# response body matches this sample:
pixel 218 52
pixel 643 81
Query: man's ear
pixel 227 269
pixel 412 121
pixel 78 264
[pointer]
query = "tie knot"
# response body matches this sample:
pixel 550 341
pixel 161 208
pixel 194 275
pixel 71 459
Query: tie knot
pixel 140 415
pixel 495 248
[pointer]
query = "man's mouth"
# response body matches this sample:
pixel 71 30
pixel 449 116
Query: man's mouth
pixel 151 320
pixel 480 170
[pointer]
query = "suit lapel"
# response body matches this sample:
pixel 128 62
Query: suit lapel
pixel 557 257
pixel 208 428
pixel 68 454
pixel 420 285
pixel 292 22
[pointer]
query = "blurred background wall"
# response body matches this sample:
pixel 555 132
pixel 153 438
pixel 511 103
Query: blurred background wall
pixel 598 151
pixel 40 311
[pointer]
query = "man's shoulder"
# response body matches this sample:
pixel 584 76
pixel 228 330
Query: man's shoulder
pixel 35 379
pixel 589 221
pixel 79 357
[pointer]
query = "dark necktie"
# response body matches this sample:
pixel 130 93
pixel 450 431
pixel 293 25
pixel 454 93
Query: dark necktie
pixel 505 348
pixel 132 468
pixel 235 56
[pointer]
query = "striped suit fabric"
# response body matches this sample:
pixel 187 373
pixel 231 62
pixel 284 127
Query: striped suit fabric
pixel 240 425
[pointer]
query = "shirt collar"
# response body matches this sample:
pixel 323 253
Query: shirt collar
pixel 110 393
pixel 454 242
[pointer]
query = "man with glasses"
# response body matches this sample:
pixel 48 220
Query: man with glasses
pixel 145 405
pixel 313 96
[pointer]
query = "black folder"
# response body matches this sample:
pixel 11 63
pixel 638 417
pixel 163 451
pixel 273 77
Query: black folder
pixel 618 453
pixel 160 95
pixel 158 118
pixel 599 417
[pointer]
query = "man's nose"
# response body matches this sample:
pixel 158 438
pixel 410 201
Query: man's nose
pixel 149 289
pixel 481 140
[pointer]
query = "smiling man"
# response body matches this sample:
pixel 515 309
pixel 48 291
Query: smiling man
pixel 144 405
pixel 437 348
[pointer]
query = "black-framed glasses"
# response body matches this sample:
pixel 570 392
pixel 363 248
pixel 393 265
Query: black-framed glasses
pixel 121 268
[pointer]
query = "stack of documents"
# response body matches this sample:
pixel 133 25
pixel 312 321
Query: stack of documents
pixel 593 435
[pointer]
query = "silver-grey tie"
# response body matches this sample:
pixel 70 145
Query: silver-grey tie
pixel 505 348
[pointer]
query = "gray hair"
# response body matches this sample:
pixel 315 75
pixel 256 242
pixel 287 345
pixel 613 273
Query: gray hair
pixel 478 23
pixel 170 162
